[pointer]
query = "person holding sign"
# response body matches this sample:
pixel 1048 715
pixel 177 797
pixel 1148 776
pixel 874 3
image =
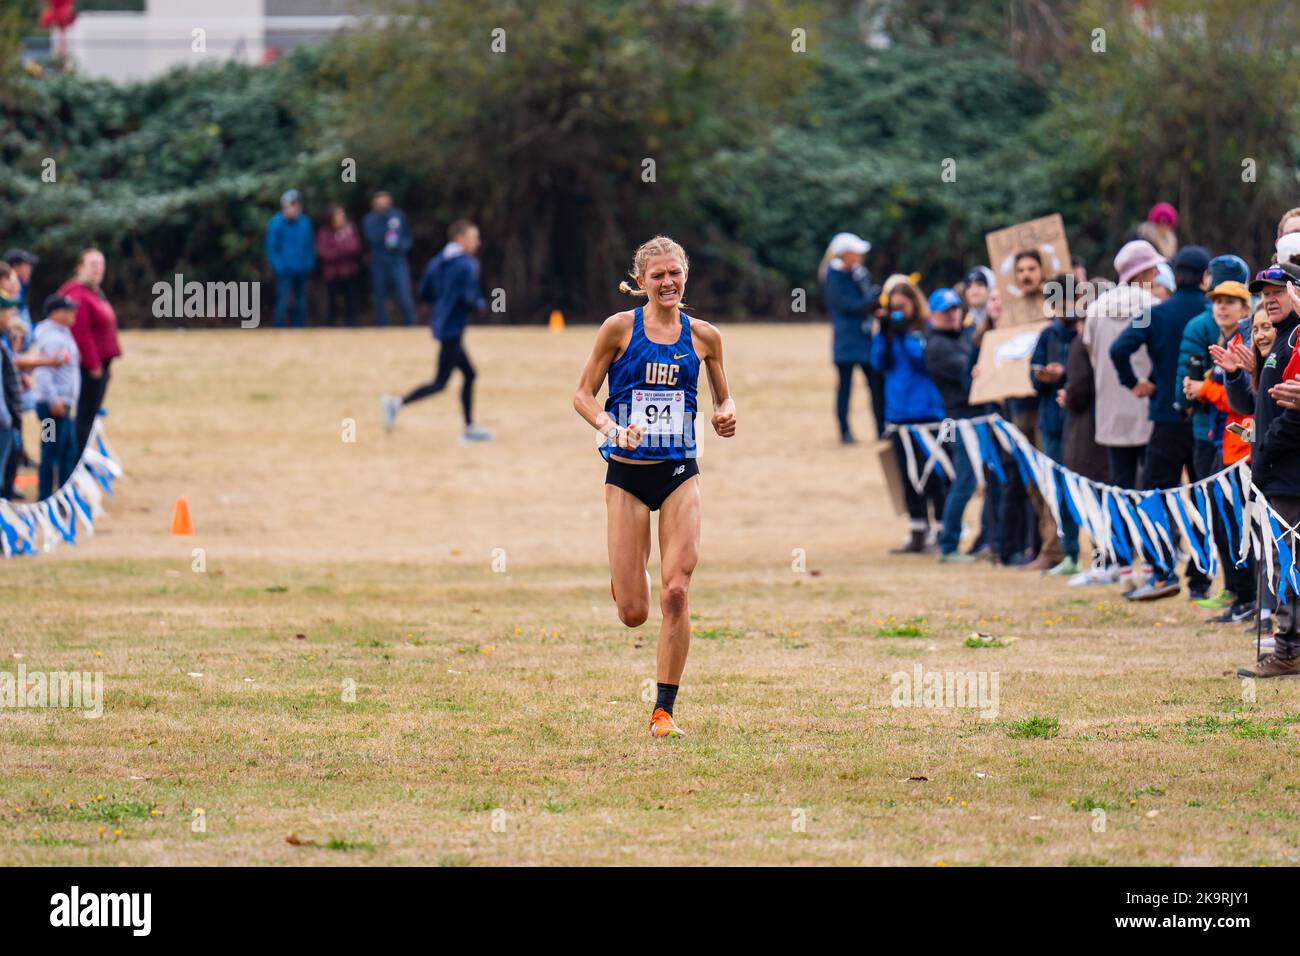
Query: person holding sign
pixel 652 357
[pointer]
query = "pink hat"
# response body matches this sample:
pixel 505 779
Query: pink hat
pixel 1164 213
pixel 1135 257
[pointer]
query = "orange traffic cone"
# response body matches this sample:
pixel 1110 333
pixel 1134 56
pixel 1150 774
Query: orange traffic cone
pixel 182 524
pixel 557 321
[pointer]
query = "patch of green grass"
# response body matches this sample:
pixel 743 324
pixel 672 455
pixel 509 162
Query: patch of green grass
pixel 557 806
pixel 1088 804
pixel 46 839
pixel 912 627
pixel 990 641
pixel 348 846
pixel 104 812
pixel 1245 728
pixel 716 633
pixel 1085 859
pixel 1034 727
pixel 1150 792
pixel 276 589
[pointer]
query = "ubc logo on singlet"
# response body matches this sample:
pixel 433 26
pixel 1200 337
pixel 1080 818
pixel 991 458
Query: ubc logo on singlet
pixel 661 373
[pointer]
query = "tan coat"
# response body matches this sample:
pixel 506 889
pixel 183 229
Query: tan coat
pixel 1122 419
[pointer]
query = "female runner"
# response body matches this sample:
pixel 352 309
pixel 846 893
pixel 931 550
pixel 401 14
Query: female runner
pixel 652 357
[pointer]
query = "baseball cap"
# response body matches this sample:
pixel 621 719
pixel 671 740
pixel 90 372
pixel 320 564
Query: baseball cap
pixel 55 302
pixel 981 275
pixel 1231 288
pixel 849 242
pixel 16 256
pixel 1278 274
pixel 941 299
pixel 291 195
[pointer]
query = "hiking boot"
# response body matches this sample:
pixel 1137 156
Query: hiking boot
pixel 1270 665
pixel 915 544
pixel 1043 562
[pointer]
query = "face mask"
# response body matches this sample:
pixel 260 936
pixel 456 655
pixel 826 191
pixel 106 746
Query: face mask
pixel 898 318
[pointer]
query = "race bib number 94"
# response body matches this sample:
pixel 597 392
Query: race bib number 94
pixel 661 411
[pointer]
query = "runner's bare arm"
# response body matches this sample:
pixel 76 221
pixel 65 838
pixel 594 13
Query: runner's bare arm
pixel 724 409
pixel 611 340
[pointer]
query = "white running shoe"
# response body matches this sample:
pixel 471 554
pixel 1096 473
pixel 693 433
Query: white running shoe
pixel 1095 576
pixel 474 434
pixel 388 407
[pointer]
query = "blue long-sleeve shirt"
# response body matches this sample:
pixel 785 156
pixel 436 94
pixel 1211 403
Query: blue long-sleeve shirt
pixel 849 301
pixel 910 392
pixel 386 233
pixel 1162 334
pixel 1053 347
pixel 450 285
pixel 291 245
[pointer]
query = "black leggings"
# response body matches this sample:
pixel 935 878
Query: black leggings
pixel 451 356
pixel 89 402
pixel 875 391
pixel 927 504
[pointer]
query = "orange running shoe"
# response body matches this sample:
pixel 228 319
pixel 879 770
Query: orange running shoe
pixel 661 725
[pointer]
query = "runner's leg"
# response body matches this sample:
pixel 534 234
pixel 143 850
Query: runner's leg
pixel 448 354
pixel 467 385
pixel 628 524
pixel 679 550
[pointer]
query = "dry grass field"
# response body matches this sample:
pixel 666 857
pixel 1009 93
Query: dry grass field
pixel 497 715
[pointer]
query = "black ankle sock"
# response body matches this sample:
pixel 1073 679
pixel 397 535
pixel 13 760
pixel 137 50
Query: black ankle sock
pixel 667 697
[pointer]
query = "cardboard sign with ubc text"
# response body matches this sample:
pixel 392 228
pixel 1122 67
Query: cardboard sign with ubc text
pixel 1047 237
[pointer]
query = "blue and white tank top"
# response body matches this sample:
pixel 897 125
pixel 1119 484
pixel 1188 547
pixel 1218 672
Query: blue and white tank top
pixel 655 386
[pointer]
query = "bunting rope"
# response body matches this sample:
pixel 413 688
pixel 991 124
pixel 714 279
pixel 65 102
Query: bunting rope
pixel 1123 523
pixel 31 528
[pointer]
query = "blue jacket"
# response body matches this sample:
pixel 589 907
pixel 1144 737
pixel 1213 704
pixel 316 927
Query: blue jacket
pixel 849 301
pixel 1200 334
pixel 387 233
pixel 291 245
pixel 910 393
pixel 450 286
pixel 1163 337
pixel 1053 347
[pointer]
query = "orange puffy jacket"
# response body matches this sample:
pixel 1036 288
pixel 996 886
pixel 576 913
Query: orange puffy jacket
pixel 1234 448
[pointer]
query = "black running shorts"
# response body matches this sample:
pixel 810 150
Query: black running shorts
pixel 651 484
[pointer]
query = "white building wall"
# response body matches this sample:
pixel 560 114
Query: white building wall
pixel 137 46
